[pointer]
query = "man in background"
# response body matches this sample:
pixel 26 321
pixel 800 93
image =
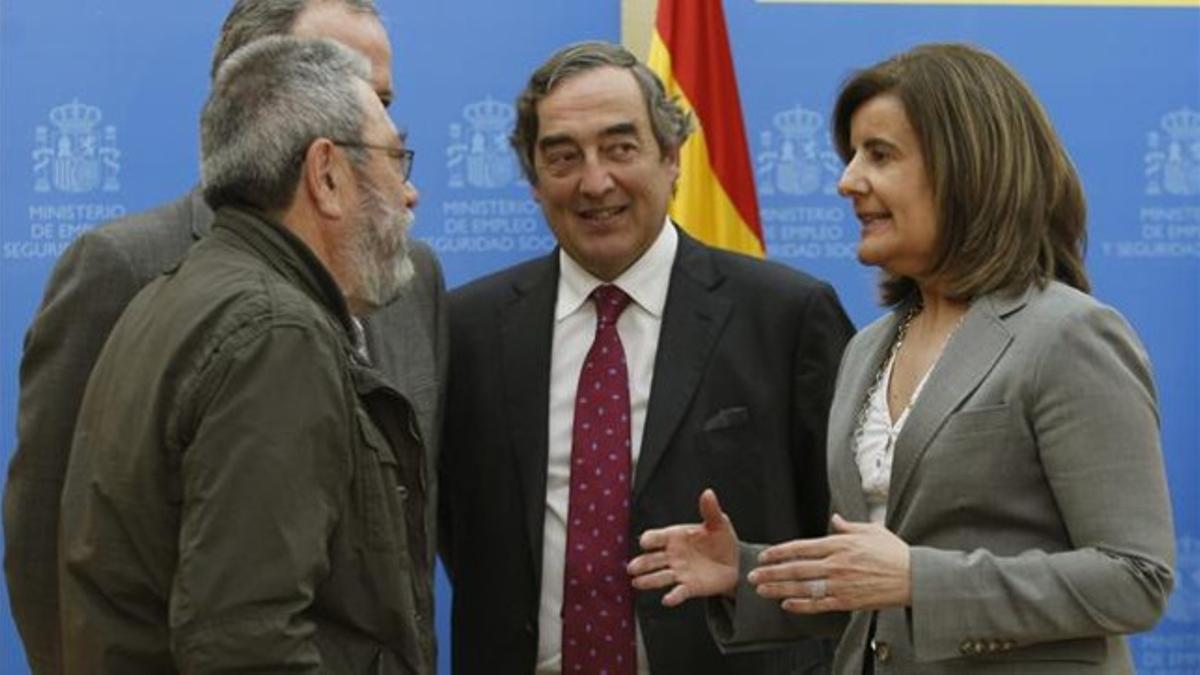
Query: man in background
pixel 595 393
pixel 246 492
pixel 100 273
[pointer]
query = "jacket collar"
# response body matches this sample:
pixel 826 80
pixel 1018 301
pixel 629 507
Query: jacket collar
pixel 971 353
pixel 694 316
pixel 526 321
pixel 286 254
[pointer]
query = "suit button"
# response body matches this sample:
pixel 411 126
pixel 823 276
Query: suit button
pixel 883 651
pixel 529 628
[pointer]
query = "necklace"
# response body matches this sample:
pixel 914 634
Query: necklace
pixel 874 454
pixel 874 462
pixel 881 372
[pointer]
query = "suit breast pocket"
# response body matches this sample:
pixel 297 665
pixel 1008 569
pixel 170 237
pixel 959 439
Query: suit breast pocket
pixel 988 420
pixel 978 456
pixel 731 455
pixel 727 418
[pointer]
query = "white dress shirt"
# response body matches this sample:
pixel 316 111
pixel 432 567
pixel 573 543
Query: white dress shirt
pixel 646 282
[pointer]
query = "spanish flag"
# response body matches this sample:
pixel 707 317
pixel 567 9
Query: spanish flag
pixel 715 200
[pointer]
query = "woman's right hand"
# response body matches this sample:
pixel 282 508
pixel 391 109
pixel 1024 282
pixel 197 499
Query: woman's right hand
pixel 692 560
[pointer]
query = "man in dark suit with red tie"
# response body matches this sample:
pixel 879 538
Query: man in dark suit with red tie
pixel 595 392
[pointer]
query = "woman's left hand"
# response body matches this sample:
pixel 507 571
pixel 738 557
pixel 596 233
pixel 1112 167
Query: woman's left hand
pixel 859 566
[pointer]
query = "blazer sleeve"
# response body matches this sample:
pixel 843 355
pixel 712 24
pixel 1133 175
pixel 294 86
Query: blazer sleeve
pixel 750 622
pixel 89 287
pixel 1090 406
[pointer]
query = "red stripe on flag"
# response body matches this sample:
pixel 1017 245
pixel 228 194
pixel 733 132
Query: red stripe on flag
pixel 693 31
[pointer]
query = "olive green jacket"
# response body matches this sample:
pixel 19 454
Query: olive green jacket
pixel 245 493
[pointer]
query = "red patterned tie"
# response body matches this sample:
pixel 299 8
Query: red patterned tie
pixel 598 630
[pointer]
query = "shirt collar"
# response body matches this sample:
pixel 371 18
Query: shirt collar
pixel 646 281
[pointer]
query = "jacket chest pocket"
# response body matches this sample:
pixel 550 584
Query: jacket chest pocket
pixel 383 494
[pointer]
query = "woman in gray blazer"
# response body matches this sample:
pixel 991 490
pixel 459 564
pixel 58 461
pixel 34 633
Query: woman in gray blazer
pixel 997 484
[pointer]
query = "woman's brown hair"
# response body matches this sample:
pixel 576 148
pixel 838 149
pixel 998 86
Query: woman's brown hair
pixel 1010 206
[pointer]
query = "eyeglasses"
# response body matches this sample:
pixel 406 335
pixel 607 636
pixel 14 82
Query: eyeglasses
pixel 403 157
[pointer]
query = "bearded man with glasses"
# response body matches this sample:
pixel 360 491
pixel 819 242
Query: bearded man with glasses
pixel 246 491
pixel 99 274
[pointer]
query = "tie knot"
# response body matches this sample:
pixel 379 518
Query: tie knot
pixel 610 302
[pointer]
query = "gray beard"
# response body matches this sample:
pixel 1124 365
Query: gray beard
pixel 381 228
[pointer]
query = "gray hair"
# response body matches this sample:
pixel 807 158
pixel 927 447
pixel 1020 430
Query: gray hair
pixel 670 123
pixel 271 99
pixel 250 20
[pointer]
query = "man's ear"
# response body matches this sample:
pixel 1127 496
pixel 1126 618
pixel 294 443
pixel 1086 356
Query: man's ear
pixel 671 161
pixel 671 158
pixel 325 177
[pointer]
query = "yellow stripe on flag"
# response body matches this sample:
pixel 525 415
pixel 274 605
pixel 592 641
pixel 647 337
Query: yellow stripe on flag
pixel 701 201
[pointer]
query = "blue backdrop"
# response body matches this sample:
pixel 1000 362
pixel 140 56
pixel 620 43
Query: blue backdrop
pixel 100 101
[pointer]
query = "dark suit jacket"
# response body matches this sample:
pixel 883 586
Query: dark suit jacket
pixel 90 286
pixel 743 379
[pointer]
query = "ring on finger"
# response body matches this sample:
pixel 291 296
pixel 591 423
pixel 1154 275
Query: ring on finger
pixel 817 588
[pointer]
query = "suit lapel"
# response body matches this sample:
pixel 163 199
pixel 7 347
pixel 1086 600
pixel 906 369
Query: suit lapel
pixel 970 355
pixel 858 372
pixel 399 345
pixel 692 319
pixel 526 336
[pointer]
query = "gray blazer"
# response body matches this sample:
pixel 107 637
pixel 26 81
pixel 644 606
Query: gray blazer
pixel 1029 483
pixel 91 284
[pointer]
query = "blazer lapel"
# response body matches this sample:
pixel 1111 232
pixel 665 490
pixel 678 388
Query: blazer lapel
pixel 969 356
pixel 526 335
pixel 692 320
pixel 858 371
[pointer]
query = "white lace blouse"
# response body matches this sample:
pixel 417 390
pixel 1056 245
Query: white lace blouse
pixel 875 442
